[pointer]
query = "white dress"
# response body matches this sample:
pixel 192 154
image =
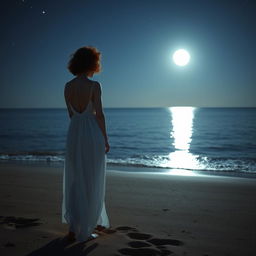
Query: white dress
pixel 83 205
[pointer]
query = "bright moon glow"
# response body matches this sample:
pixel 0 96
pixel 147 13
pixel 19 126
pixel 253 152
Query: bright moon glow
pixel 181 57
pixel 181 160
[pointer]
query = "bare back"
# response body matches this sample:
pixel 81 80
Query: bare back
pixel 79 92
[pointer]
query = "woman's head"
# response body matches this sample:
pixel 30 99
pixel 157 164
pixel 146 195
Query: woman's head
pixel 85 60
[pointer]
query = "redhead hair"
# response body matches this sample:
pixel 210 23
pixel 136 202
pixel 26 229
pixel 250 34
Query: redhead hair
pixel 85 59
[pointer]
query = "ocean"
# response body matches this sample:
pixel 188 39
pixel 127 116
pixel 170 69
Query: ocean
pixel 183 138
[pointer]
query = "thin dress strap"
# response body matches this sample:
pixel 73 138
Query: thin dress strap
pixel 71 107
pixel 91 94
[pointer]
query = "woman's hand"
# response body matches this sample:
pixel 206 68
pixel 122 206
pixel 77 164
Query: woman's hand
pixel 107 147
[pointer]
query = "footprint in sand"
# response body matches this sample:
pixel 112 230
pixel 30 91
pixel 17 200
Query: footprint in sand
pixel 146 244
pixel 108 231
pixel 141 251
pixel 12 222
pixel 125 228
pixel 9 244
pixel 138 244
pixel 139 236
pixel 158 241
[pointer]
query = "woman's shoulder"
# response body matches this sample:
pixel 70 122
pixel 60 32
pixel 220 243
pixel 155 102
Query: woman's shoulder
pixel 95 84
pixel 67 87
pixel 72 83
pixel 73 80
pixel 69 84
pixel 97 87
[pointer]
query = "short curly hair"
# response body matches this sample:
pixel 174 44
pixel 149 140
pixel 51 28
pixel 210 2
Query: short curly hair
pixel 85 59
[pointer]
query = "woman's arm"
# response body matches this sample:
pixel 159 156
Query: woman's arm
pixel 99 112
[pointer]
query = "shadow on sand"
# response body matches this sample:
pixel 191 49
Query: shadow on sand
pixel 63 247
pixel 131 242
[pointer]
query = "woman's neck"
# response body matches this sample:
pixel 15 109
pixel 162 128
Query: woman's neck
pixel 88 74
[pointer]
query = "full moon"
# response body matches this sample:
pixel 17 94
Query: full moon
pixel 181 57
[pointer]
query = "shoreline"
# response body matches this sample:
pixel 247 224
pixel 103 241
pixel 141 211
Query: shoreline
pixel 142 169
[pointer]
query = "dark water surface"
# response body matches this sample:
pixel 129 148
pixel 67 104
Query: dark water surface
pixel 212 139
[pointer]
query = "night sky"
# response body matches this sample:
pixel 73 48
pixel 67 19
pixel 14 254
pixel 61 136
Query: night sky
pixel 137 40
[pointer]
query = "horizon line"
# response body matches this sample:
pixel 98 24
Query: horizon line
pixel 134 107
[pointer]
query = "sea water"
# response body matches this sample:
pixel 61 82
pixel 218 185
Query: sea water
pixel 185 138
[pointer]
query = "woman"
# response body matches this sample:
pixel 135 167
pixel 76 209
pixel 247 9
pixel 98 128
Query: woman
pixel 83 205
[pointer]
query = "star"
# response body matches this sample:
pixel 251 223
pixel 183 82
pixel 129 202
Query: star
pixel 43 12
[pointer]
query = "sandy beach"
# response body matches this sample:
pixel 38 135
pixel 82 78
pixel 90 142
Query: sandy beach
pixel 150 214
